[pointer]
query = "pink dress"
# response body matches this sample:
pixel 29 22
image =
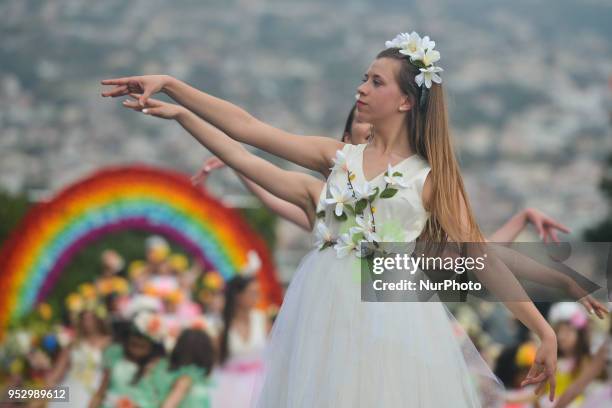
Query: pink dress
pixel 234 381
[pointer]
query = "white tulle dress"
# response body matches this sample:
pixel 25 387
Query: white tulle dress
pixel 327 348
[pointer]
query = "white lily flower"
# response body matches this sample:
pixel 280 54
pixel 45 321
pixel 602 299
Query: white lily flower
pixel 365 227
pixel 401 38
pixel 430 57
pixel 412 46
pixel 363 190
pixel 428 75
pixel 339 162
pixel 323 235
pixel 394 181
pixel 344 245
pixel 427 44
pixel 340 198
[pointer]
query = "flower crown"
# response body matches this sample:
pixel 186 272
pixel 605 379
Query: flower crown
pixel 422 55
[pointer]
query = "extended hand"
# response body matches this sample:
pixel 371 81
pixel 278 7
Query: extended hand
pixel 146 85
pixel 543 369
pixel 154 107
pixel 208 166
pixel 545 225
pixel 591 304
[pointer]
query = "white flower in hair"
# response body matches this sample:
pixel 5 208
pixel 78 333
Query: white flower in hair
pixel 151 325
pixel 253 264
pixel 340 197
pixel 429 58
pixel 399 40
pixel 428 75
pixel 421 53
pixel 412 45
pixel 427 44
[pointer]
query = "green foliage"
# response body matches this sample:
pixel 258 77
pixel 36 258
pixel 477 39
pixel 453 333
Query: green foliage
pixel 12 210
pixel 603 231
pixel 263 221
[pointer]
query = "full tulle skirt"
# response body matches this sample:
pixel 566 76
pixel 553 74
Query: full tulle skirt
pixel 328 348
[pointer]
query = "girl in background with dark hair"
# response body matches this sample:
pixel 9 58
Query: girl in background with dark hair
pixel 601 363
pixel 184 377
pixel 242 342
pixel 129 366
pixel 328 348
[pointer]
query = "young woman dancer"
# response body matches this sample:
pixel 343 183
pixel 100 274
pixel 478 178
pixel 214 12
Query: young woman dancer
pixel 327 347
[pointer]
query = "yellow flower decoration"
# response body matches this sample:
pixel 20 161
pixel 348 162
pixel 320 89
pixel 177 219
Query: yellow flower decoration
pixel 175 297
pixel 212 280
pixel 136 269
pixel 105 286
pixel 120 285
pixel 159 253
pixel 178 262
pixel 87 290
pixel 45 311
pixel 74 302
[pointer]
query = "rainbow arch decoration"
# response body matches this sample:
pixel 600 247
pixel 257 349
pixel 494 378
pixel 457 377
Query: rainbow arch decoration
pixel 118 198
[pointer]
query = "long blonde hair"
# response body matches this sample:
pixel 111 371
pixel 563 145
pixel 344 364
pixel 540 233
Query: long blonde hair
pixel 429 137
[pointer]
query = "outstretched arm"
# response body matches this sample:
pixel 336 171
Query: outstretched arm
pixel 313 152
pixel 297 188
pixel 500 281
pixel 285 209
pixel 545 225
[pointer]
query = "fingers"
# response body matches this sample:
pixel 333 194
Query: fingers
pixel 152 111
pixel 132 105
pixel 149 102
pixel 117 91
pixel 553 235
pixel 560 226
pixel 600 310
pixel 115 81
pixel 553 386
pixel 539 378
pixel 144 97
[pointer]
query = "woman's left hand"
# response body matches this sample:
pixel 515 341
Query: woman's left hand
pixel 591 304
pixel 547 227
pixel 154 107
pixel 544 367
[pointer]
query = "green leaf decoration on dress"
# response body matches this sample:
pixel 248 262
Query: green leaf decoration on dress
pixel 373 196
pixel 361 205
pixel 388 192
pixel 321 214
